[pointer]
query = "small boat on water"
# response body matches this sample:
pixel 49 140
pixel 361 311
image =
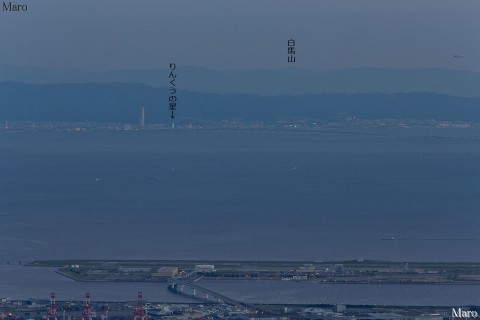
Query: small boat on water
pixel 391 238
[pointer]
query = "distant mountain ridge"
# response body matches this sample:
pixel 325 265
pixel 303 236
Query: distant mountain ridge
pixel 117 102
pixel 290 81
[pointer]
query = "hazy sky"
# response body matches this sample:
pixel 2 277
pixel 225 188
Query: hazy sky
pixel 242 34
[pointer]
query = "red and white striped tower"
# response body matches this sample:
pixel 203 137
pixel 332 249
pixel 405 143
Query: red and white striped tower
pixel 52 312
pixel 139 313
pixel 87 312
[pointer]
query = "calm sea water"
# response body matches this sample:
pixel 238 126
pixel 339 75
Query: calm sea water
pixel 241 195
pixel 19 282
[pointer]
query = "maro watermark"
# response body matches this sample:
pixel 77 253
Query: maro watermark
pixel 464 314
pixel 12 7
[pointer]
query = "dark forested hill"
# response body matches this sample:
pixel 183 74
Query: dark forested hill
pixel 460 83
pixel 116 102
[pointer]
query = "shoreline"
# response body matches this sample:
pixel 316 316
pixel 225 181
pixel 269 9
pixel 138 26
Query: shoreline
pixel 365 272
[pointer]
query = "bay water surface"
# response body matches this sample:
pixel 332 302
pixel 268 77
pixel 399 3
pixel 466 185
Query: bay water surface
pixel 241 195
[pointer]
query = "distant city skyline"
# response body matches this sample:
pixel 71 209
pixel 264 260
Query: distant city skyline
pixel 243 35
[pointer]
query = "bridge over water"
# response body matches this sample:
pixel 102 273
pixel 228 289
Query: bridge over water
pixel 196 291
